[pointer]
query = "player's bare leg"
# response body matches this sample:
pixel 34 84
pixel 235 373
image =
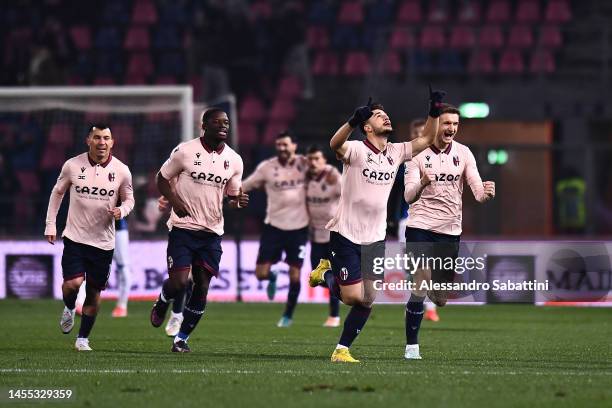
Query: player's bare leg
pixel 70 290
pixel 263 272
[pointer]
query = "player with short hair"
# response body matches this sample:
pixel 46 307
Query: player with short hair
pixel 206 170
pixel 322 197
pixel 286 224
pixel 358 228
pixel 433 187
pixel 97 181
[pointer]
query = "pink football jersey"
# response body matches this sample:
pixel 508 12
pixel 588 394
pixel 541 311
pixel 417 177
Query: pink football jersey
pixel 439 209
pixel 367 178
pixel 285 186
pixel 322 199
pixel 94 189
pixel 203 177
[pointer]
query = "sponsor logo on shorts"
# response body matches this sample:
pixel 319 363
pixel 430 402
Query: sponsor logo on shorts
pixel 343 274
pixel 170 262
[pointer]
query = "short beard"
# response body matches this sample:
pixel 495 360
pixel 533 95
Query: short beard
pixel 384 133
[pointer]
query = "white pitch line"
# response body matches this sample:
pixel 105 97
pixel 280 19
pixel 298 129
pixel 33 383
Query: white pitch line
pixel 286 372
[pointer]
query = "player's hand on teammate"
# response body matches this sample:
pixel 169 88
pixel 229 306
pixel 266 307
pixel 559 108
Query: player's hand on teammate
pixel 435 102
pixel 489 189
pixel 116 213
pixel 50 239
pixel 240 201
pixel 361 114
pixel 427 179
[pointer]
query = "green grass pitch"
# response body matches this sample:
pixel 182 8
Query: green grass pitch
pixel 515 356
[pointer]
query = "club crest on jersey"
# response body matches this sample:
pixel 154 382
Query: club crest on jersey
pixel 111 176
pixel 323 187
pixel 343 274
pixel 390 159
pixel 226 164
pixel 456 160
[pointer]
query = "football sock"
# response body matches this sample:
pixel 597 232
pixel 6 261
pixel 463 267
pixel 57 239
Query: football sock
pixel 70 300
pixel 355 320
pixel 168 293
pixel 125 282
pixel 330 282
pixel 192 313
pixel 414 317
pixel 179 301
pixel 87 323
pixel 334 306
pixel 292 297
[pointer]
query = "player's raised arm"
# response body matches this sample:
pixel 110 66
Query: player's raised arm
pixel 55 200
pixel 338 140
pixel 255 180
pixel 414 183
pixel 431 125
pixel 482 191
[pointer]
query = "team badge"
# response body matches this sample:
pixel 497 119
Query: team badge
pixel 456 160
pixel 343 274
pixel 226 164
pixel 111 176
pixel 170 262
pixel 390 160
pixel 323 187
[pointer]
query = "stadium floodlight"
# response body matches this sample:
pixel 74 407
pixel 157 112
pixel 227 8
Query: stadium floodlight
pixel 474 110
pixel 497 157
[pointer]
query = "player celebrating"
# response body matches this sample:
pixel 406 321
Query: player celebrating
pixel 96 180
pixel 434 187
pixel 358 228
pixel 322 196
pixel 206 170
pixel 286 223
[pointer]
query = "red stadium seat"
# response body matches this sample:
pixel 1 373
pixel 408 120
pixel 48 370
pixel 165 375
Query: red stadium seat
pixel 433 37
pixel 498 11
pixel 247 134
pixel 558 11
pixel 357 63
pixel 542 61
pixel 140 64
pixel 401 39
pixel 53 157
pixel 550 37
pixel 123 133
pixel 61 134
pixel 409 11
pixel 390 63
pixel 29 182
pixel 481 62
pixel 251 110
pixel 469 12
pixel 491 37
pixel 317 37
pixel 528 11
pixel 283 109
pixel 520 37
pixel 144 12
pixel 137 38
pixel 289 86
pixel 462 37
pixel 325 63
pixel 351 12
pixel 273 128
pixel 81 37
pixel 511 62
